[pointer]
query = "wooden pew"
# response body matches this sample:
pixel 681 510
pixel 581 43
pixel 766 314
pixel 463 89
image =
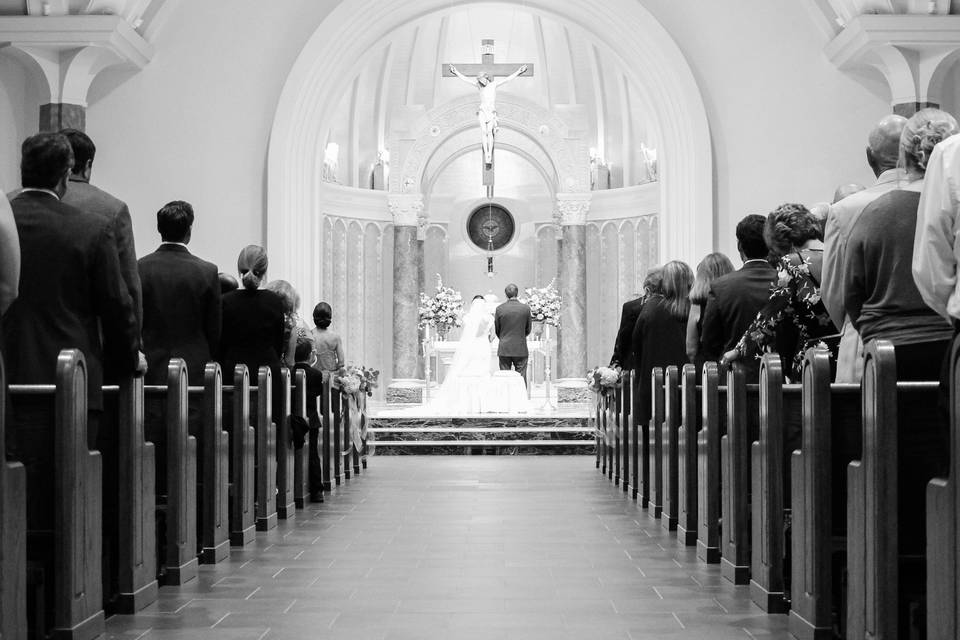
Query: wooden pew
pixel 13 535
pixel 130 472
pixel 637 440
pixel 613 407
pixel 712 408
pixel 213 458
pixel 943 510
pixel 49 425
pixel 242 455
pixel 301 466
pixel 671 449
pixel 286 505
pixel 830 433
pixel 687 458
pixel 875 568
pixel 168 428
pixel 353 411
pixel 265 483
pixel 735 470
pixel 332 406
pixel 626 430
pixel 599 440
pixel 777 403
pixel 652 456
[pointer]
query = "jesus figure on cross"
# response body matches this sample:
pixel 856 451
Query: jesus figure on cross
pixel 487 111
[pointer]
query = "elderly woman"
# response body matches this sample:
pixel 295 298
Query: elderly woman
pixel 794 318
pixel 293 324
pixel 253 319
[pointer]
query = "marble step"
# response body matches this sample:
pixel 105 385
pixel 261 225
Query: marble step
pixel 483 443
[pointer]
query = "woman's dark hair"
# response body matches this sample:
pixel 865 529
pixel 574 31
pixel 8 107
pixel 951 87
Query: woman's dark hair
pixel 478 297
pixel 322 315
pixel 789 226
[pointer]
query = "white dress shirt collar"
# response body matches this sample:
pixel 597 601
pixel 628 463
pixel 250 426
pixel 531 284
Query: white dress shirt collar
pixel 47 191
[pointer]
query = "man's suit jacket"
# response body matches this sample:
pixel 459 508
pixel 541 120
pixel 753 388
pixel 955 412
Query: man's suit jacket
pixel 732 305
pixel 70 287
pixel 314 379
pixel 512 322
pixel 623 347
pixel 86 197
pixel 181 304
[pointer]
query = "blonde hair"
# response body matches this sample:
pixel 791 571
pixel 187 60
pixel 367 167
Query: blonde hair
pixel 925 130
pixel 291 299
pixel 252 265
pixel 677 280
pixel 710 268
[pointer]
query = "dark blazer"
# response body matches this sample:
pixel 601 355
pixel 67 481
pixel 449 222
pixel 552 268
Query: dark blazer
pixel 253 323
pixel 86 197
pixel 659 340
pixel 181 305
pixel 623 347
pixel 732 305
pixel 70 287
pixel 512 323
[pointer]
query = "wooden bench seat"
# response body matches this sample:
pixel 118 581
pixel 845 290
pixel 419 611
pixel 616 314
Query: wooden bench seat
pixel 13 535
pixel 236 405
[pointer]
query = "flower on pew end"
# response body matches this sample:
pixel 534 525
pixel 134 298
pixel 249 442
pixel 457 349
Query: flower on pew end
pixel 355 379
pixel 603 379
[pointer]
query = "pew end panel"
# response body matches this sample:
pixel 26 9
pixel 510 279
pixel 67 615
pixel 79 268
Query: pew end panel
pixel 653 454
pixel 301 490
pixel 13 535
pixel 687 459
pixel 636 437
pixel 265 465
pixel 735 486
pixel 708 466
pixel 626 426
pixel 242 454
pixel 670 445
pixel 214 473
pixel 767 584
pixel 286 505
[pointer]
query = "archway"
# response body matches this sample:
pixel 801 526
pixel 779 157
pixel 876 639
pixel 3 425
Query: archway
pixel 334 53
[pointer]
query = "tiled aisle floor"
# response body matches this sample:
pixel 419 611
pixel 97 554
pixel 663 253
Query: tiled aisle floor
pixel 461 547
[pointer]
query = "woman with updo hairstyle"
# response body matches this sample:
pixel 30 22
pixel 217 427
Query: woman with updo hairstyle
pixel 710 268
pixel 253 321
pixel 794 317
pixel 327 343
pixel 883 302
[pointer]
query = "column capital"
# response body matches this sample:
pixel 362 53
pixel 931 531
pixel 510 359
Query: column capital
pixel 406 208
pixel 571 208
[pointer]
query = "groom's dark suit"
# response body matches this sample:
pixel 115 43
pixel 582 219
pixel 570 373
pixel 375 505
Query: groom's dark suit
pixel 512 322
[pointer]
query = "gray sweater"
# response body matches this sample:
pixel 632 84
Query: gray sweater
pixel 880 295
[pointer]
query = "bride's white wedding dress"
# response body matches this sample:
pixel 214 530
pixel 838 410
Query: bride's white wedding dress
pixel 468 387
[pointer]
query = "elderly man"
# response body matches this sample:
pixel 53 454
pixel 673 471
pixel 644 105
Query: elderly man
pixel 883 151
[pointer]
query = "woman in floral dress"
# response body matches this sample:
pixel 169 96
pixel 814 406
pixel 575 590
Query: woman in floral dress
pixel 794 317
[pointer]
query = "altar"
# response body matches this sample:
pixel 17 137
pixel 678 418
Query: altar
pixel 440 354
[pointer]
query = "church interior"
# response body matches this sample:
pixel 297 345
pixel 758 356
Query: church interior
pixel 336 136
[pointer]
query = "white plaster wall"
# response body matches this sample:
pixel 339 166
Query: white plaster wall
pixel 786 124
pixel 18 119
pixel 195 123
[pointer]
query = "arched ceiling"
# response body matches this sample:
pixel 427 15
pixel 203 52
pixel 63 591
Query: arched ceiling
pixel 837 13
pixel 573 78
pixel 138 13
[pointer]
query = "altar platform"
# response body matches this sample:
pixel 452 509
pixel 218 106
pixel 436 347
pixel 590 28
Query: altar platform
pixel 542 430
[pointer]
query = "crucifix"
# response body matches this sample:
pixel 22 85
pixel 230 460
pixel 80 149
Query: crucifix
pixel 484 76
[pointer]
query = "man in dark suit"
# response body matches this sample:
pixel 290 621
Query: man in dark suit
pixel 512 323
pixel 735 298
pixel 181 299
pixel 86 197
pixel 71 285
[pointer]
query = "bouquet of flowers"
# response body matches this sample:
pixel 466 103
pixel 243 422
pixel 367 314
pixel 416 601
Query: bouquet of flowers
pixel 443 310
pixel 544 303
pixel 353 380
pixel 603 379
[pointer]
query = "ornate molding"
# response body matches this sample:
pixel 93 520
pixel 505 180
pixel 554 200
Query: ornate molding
pixel 571 209
pixel 406 209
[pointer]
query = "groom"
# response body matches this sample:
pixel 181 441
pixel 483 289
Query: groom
pixel 512 323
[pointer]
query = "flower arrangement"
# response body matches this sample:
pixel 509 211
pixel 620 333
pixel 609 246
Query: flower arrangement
pixel 353 379
pixel 603 379
pixel 544 303
pixel 441 311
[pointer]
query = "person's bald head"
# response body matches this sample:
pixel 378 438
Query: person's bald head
pixel 845 190
pixel 883 148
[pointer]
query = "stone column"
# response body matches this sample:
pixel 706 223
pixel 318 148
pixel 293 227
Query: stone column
pixel 571 215
pixel 60 115
pixel 405 209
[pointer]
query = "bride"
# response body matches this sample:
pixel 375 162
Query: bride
pixel 467 377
